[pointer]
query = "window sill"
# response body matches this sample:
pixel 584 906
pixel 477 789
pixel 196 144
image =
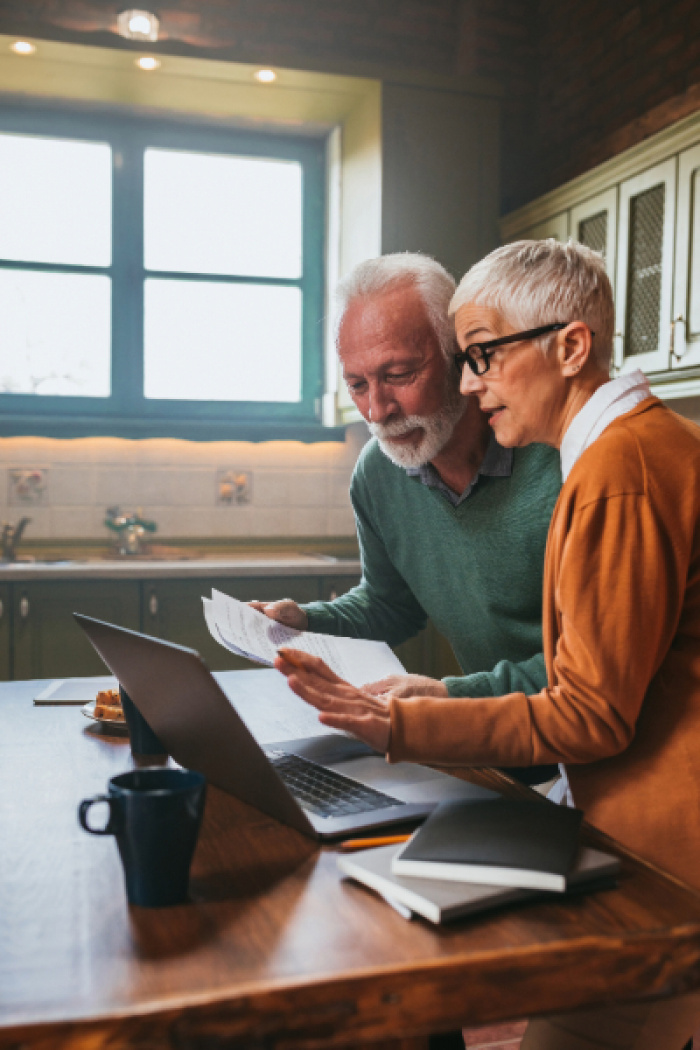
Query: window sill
pixel 192 430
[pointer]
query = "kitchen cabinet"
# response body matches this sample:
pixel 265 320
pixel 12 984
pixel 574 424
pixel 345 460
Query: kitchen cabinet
pixel 5 631
pixel 641 209
pixel 594 223
pixel 172 609
pixel 686 289
pixel 556 226
pixel 40 639
pixel 47 642
pixel 645 269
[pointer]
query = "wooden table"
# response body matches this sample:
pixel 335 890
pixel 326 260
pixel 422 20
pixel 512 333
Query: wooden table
pixel 275 949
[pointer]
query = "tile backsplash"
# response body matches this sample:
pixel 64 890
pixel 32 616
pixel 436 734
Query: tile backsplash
pixel 296 489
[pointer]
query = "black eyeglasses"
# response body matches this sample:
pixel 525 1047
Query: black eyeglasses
pixel 478 355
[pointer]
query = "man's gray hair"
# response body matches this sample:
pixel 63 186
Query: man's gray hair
pixel 431 280
pixel 533 283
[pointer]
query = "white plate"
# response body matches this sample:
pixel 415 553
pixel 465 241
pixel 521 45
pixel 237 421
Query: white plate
pixel 89 712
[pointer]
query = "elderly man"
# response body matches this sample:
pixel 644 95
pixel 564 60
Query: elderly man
pixel 450 525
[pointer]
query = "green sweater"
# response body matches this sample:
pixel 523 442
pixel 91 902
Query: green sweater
pixel 475 569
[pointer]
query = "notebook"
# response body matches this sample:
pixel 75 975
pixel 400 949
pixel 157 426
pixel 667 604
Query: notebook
pixel 74 690
pixel 500 842
pixel 440 901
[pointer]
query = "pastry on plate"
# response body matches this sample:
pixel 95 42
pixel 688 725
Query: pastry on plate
pixel 108 705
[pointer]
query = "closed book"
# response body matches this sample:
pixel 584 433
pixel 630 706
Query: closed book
pixel 499 842
pixel 440 901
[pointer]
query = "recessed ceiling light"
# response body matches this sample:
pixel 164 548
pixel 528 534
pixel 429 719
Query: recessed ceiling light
pixel 137 25
pixel 266 76
pixel 23 47
pixel 147 62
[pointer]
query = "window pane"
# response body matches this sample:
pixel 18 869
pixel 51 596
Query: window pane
pixel 223 215
pixel 222 342
pixel 55 334
pixel 55 201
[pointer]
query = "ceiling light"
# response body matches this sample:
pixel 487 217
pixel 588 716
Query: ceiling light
pixel 147 62
pixel 137 25
pixel 23 47
pixel 266 76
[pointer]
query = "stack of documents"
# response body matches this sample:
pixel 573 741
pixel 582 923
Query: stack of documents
pixel 251 634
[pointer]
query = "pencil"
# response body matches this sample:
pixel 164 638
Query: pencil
pixel 292 657
pixel 386 840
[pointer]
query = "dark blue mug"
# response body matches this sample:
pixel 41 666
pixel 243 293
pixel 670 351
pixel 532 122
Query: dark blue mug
pixel 154 814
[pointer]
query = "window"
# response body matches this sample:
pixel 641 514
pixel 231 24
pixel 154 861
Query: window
pixel 159 278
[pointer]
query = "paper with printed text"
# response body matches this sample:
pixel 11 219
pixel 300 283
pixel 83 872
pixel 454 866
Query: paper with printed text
pixel 253 635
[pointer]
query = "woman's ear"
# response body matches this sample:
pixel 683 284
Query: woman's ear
pixel 574 346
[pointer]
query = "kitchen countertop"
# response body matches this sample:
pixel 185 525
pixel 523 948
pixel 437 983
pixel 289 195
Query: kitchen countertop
pixel 139 567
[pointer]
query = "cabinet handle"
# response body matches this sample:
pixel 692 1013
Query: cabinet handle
pixel 153 603
pixel 2 609
pixel 614 367
pixel 24 607
pixel 672 345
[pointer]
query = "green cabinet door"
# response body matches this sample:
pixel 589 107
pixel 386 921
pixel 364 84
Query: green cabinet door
pixel 5 622
pixel 47 641
pixel 172 609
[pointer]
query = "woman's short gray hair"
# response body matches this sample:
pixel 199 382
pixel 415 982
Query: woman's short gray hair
pixel 533 283
pixel 376 276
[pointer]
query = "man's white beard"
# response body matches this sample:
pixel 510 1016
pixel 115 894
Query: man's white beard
pixel 437 431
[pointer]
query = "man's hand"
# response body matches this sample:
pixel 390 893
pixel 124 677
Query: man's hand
pixel 403 685
pixel 340 705
pixel 285 611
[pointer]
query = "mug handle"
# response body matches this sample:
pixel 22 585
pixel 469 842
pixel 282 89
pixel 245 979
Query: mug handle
pixel 110 827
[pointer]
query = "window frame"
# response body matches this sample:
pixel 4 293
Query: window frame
pixel 127 413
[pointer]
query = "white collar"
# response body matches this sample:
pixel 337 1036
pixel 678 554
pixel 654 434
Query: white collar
pixel 610 400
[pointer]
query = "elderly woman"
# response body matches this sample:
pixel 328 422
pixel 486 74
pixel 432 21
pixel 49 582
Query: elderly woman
pixel 621 712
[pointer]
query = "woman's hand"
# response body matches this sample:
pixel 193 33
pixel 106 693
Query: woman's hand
pixel 340 705
pixel 403 685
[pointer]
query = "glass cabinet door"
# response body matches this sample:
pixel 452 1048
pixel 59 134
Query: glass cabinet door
pixel 645 269
pixel 556 226
pixel 686 293
pixel 594 223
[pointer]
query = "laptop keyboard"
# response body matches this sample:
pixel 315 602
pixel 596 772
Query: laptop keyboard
pixel 323 791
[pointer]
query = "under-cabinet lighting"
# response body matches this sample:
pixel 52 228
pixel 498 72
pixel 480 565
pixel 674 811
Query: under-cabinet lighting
pixel 23 47
pixel 147 62
pixel 137 25
pixel 266 76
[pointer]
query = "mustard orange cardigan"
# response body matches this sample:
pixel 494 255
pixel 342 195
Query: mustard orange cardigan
pixel 622 648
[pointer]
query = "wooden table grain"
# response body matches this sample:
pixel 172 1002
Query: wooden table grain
pixel 276 950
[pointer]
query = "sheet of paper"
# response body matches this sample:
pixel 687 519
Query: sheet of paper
pixel 270 717
pixel 248 633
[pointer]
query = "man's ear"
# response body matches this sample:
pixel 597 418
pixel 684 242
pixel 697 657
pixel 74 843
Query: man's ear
pixel 574 346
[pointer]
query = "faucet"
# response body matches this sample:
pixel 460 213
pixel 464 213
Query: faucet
pixel 10 537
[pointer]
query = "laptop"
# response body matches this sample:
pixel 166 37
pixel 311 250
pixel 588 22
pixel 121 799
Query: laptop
pixel 325 786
